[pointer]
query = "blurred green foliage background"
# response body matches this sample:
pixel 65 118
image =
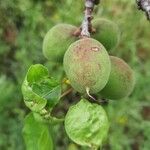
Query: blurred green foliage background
pixel 23 25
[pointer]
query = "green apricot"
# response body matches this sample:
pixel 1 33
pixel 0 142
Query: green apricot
pixel 121 81
pixel 87 124
pixel 107 32
pixel 57 40
pixel 87 65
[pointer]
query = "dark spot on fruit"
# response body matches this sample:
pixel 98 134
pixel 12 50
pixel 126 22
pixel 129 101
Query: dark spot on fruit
pixel 99 66
pixel 129 76
pixel 120 63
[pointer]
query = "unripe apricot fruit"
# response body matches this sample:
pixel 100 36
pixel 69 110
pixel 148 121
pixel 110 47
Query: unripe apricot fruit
pixel 57 40
pixel 87 65
pixel 107 32
pixel 121 80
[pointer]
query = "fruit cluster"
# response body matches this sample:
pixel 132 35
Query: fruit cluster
pixel 90 69
pixel 87 63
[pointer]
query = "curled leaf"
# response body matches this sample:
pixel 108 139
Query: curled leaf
pixel 39 90
pixel 87 124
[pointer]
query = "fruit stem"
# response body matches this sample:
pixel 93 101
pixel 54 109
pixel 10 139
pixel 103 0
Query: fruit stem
pixel 88 93
pixel 86 26
pixel 99 102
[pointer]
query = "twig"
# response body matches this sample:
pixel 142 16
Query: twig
pixel 66 92
pixel 99 101
pixel 144 5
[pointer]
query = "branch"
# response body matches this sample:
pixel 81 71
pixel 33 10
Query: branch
pixel 86 26
pixel 144 5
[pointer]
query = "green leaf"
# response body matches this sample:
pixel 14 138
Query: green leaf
pixel 87 124
pixel 36 73
pixel 39 90
pixel 36 134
